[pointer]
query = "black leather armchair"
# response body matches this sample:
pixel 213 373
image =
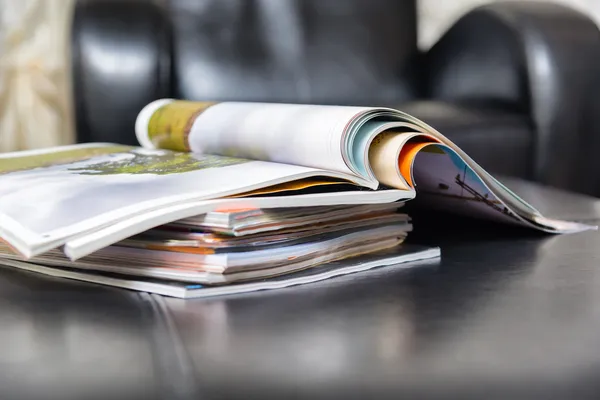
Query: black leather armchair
pixel 509 82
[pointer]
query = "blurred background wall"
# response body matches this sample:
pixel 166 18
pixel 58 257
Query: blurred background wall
pixel 35 101
pixel 436 16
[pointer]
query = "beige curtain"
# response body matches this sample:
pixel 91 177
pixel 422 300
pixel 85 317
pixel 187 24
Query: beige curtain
pixel 35 101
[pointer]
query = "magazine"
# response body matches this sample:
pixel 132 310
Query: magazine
pixel 241 222
pixel 197 157
pixel 234 266
pixel 403 257
pixel 380 146
pixel 50 196
pixel 235 245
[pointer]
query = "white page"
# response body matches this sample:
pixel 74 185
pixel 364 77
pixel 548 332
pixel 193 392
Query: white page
pixel 298 134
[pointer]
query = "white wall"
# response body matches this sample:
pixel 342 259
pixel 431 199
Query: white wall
pixel 436 16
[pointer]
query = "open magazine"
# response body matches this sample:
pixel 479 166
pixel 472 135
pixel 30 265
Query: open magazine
pixel 372 147
pixel 198 157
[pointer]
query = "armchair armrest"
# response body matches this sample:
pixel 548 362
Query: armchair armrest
pixel 120 62
pixel 539 58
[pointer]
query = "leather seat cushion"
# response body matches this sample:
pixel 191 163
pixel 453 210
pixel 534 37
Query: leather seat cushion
pixel 502 141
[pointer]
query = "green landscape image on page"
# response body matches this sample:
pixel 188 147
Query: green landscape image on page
pixel 13 162
pixel 157 163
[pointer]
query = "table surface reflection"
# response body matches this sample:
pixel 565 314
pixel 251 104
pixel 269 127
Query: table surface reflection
pixel 505 313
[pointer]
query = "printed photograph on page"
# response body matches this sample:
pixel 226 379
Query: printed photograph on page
pixel 444 181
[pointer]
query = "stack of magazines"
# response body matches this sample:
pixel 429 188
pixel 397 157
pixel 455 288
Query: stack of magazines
pixel 225 198
pixel 203 255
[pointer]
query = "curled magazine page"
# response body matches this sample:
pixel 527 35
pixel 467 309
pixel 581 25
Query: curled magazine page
pixel 86 187
pixel 444 181
pixel 519 205
pixel 391 157
pixel 307 135
pixel 360 134
pixel 378 134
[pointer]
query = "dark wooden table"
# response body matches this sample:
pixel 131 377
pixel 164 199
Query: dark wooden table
pixel 504 314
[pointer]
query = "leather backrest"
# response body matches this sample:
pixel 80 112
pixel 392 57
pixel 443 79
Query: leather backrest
pixel 319 51
pixel 126 53
pixel 539 58
pixel 488 66
pixel 120 62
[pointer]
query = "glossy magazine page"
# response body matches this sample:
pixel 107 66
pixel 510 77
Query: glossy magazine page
pixel 49 196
